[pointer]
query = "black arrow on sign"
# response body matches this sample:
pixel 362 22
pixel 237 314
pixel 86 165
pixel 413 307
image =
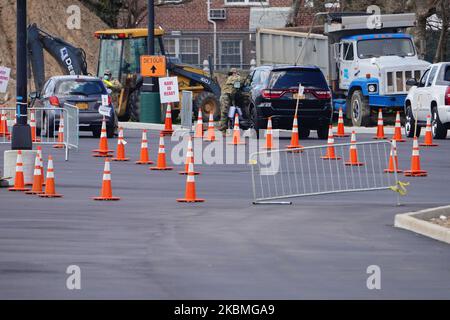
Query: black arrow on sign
pixel 153 69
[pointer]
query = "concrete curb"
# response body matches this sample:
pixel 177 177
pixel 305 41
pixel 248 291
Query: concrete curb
pixel 415 221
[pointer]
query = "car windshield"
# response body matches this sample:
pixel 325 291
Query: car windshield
pixel 283 79
pixel 80 87
pixel 402 47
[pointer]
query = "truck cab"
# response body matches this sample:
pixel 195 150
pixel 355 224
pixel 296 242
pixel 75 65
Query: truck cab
pixel 369 67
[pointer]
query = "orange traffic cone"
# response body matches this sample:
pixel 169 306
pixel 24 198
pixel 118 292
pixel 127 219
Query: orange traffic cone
pixel 331 154
pixel 428 142
pixel 161 163
pixel 393 160
pixel 341 128
pixel 4 125
pixel 415 171
pixel 269 136
pixel 189 158
pixel 103 150
pixel 398 129
pixel 50 191
pixel 60 144
pixel 190 195
pixel 211 135
pixel 199 126
pixel 34 138
pixel 144 150
pixel 294 137
pixel 19 181
pixel 380 126
pixel 236 132
pixel 37 177
pixel 168 130
pixel 353 153
pixel 121 148
pixel 106 193
pixel 41 164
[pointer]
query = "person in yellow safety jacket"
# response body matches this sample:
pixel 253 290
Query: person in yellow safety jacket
pixel 226 99
pixel 114 85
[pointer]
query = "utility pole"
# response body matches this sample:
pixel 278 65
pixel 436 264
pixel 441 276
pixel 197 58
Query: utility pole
pixel 150 109
pixel 21 133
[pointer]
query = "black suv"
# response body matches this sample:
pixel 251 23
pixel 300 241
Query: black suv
pixel 271 91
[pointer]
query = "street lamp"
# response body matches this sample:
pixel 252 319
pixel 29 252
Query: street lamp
pixel 21 132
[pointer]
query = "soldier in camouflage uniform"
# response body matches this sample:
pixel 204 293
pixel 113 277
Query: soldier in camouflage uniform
pixel 226 99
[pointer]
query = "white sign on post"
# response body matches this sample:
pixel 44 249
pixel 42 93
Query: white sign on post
pixel 301 89
pixel 168 89
pixel 4 78
pixel 104 109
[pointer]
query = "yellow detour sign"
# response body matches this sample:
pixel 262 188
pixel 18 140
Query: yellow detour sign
pixel 153 66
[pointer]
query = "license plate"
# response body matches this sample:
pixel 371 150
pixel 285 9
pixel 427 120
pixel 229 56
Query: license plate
pixel 82 106
pixel 299 96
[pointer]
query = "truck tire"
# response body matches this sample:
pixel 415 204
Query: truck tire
pixel 322 132
pixel 360 109
pixel 410 123
pixel 437 128
pixel 304 133
pixel 208 102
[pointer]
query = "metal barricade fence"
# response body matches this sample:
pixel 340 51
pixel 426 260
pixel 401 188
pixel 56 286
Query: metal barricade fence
pixel 284 174
pixel 47 125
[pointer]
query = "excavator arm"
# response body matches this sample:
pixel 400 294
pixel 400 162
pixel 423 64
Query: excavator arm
pixel 72 60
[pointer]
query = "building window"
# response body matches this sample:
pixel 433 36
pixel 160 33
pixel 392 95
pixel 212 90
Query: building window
pixel 247 2
pixel 231 53
pixel 185 49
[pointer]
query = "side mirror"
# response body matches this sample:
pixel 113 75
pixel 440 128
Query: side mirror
pixel 35 95
pixel 411 82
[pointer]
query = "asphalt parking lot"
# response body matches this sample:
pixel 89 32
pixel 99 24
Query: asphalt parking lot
pixel 148 246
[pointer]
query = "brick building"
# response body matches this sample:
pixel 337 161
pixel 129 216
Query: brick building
pixel 193 28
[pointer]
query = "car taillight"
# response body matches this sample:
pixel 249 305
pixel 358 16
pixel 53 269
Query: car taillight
pixel 54 101
pixel 447 97
pixel 322 94
pixel 272 94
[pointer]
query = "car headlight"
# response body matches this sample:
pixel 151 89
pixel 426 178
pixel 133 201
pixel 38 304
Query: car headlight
pixel 372 88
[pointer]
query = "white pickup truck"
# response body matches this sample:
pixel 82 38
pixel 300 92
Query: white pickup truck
pixel 429 95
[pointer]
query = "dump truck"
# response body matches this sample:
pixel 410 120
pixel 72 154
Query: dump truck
pixel 120 52
pixel 366 66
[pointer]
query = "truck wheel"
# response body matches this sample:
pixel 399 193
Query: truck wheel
pixel 360 110
pixel 133 107
pixel 438 129
pixel 208 102
pixel 410 123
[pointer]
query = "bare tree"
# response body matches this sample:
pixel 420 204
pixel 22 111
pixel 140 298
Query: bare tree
pixel 134 12
pixel 443 14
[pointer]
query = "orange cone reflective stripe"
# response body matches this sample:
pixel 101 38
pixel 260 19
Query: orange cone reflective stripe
pixel 416 170
pixel 106 192
pixel 428 142
pixel 19 180
pixel 34 137
pixel 294 136
pixel 161 162
pixel 341 127
pixel 199 126
pixel 331 154
pixel 211 135
pixel 103 150
pixel 50 191
pixel 353 161
pixel 168 129
pixel 236 132
pixel 60 144
pixel 269 135
pixel 190 195
pixel 37 177
pixel 121 147
pixel 398 129
pixel 380 126
pixel 189 158
pixel 144 158
pixel 393 160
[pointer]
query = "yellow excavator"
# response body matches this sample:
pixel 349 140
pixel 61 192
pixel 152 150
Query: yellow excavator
pixel 120 52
